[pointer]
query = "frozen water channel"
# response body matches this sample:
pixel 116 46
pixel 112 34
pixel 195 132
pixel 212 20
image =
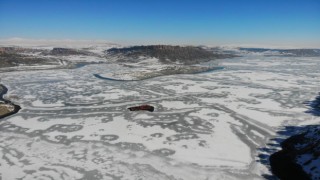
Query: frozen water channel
pixel 73 125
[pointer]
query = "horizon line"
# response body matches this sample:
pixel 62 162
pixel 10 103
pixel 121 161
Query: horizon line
pixel 33 42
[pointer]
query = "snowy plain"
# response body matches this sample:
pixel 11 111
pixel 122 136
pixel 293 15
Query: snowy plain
pixel 213 125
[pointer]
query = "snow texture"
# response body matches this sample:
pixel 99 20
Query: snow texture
pixel 74 125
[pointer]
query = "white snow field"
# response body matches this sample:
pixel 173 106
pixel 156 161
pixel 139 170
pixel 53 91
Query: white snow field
pixel 213 125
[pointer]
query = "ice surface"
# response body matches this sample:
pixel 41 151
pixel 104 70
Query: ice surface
pixel 205 126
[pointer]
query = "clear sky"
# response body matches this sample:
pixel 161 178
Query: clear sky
pixel 207 22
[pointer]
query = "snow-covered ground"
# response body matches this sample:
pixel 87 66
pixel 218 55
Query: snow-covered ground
pixel 205 126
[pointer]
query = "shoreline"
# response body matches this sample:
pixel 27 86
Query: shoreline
pixel 161 73
pixel 16 108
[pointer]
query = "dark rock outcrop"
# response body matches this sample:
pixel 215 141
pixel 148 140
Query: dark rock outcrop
pixel 16 108
pixel 167 53
pixel 299 157
pixel 142 108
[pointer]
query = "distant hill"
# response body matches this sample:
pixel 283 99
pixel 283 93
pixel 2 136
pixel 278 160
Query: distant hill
pixel 14 56
pixel 167 53
pixel 285 52
pixel 67 52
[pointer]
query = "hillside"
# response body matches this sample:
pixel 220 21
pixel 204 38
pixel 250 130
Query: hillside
pixel 167 53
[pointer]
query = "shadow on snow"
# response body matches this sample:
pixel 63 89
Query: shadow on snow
pixel 274 144
pixel 314 106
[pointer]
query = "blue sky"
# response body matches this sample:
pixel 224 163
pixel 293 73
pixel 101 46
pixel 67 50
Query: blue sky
pixel 214 22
